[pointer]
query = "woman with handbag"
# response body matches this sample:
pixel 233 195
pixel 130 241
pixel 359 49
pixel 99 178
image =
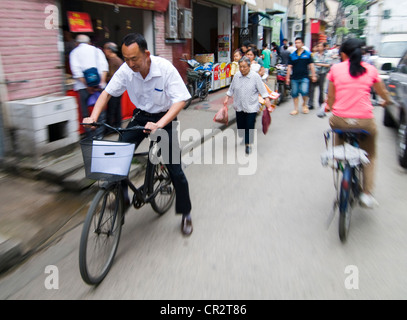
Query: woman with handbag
pixel 245 88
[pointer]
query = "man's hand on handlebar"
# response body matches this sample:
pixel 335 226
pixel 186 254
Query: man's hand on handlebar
pixel 90 121
pixel 151 127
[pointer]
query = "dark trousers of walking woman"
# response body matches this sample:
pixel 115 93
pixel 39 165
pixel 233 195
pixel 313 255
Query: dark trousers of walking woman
pixel 246 121
pixel 173 164
pixel 320 83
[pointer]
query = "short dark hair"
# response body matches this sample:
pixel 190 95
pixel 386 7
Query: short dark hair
pixel 135 38
pixel 246 43
pixel 299 38
pixel 252 50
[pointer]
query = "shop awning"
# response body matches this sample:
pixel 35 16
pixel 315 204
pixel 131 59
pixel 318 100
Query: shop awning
pixel 256 17
pixel 154 5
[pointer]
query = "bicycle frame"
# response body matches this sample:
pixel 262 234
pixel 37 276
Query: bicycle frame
pixel 104 220
pixel 349 188
pixel 143 194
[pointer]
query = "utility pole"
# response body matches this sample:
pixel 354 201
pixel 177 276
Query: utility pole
pixel 304 15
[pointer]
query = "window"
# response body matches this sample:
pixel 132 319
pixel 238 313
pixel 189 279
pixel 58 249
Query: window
pixel 402 67
pixel 386 14
pixel 393 49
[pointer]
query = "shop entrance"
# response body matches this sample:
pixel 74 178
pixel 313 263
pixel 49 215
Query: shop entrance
pixel 205 29
pixel 108 22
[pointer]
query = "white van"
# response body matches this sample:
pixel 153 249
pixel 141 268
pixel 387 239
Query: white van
pixel 392 48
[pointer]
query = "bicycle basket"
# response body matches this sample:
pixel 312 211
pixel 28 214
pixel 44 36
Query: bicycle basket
pixel 106 160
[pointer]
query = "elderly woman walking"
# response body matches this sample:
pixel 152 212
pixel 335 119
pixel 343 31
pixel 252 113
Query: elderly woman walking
pixel 246 87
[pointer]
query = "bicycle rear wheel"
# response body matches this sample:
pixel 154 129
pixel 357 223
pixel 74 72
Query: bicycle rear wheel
pixel 345 203
pixel 101 234
pixel 161 185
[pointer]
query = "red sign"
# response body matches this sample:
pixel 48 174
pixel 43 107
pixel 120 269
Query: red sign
pixel 155 5
pixel 79 22
pixel 315 26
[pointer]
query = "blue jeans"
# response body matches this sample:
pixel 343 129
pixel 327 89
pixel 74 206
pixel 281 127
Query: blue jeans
pixel 299 86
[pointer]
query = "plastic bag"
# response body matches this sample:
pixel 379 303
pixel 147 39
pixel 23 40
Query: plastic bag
pixel 266 120
pixel 222 116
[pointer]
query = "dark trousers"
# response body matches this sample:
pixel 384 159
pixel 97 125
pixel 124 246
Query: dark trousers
pixel 172 158
pixel 114 112
pixel 320 83
pixel 246 121
pixel 98 132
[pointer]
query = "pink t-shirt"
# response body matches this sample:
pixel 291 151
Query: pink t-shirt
pixel 352 95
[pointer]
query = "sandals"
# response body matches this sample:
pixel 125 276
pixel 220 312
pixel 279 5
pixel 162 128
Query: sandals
pixel 305 110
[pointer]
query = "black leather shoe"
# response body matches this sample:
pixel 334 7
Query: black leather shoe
pixel 186 227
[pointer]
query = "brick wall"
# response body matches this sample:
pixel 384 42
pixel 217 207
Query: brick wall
pixel 172 52
pixel 162 49
pixel 28 49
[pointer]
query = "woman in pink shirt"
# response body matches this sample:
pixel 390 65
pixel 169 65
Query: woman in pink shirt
pixel 349 90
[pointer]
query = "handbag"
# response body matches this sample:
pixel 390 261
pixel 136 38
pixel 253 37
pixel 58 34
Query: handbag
pixel 91 75
pixel 222 116
pixel 266 120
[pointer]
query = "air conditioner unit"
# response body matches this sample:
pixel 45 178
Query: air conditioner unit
pixel 171 20
pixel 297 26
pixel 184 23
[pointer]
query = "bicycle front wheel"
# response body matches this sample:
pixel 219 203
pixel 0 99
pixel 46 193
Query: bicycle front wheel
pixel 162 185
pixel 345 205
pixel 101 234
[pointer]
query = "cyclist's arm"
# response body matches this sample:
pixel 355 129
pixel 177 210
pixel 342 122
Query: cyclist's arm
pixel 100 104
pixel 381 90
pixel 169 116
pixel 331 94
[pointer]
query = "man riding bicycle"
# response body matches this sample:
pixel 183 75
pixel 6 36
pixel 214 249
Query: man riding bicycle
pixel 158 91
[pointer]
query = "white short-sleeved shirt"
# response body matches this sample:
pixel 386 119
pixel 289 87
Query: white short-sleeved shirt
pixel 162 87
pixel 83 57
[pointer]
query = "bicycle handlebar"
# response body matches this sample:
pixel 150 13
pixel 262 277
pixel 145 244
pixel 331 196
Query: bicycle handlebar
pixel 100 124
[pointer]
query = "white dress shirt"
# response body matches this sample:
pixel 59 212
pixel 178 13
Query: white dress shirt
pixel 83 57
pixel 162 87
pixel 245 91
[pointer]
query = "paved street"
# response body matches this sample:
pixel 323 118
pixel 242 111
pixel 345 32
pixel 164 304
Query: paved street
pixel 256 236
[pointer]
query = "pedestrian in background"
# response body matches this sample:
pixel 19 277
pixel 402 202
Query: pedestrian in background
pixel 291 47
pixel 84 57
pixel 322 63
pixel 284 44
pixel 246 87
pixel 254 64
pixel 245 46
pixel 300 63
pixel 114 107
pixel 266 53
pixel 237 55
pixel 284 54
